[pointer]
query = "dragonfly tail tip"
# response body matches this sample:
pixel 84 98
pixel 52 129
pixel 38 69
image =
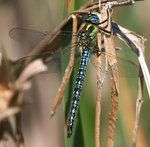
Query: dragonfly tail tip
pixel 69 131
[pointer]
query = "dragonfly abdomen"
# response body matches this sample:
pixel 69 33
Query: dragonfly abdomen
pixel 78 87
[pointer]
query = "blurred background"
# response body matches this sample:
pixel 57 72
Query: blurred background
pixel 37 127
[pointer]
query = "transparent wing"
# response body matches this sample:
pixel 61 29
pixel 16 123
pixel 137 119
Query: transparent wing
pixel 46 46
pixel 27 36
pixel 20 33
pixel 62 45
pixel 127 61
pixel 33 37
pixel 126 67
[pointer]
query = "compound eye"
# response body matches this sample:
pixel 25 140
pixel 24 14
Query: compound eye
pixel 95 19
pixel 85 17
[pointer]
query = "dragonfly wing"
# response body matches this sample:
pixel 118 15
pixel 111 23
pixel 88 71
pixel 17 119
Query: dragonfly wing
pixel 127 67
pixel 26 36
pixel 47 45
pixel 50 49
pixel 33 37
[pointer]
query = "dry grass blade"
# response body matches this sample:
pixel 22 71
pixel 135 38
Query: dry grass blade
pixel 68 70
pixel 99 95
pixel 113 114
pixel 138 110
pixel 138 106
pixel 114 91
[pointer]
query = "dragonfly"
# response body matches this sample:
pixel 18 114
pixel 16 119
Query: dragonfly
pixel 85 39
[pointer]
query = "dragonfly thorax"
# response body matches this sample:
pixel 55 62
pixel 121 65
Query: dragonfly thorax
pixel 88 29
pixel 87 35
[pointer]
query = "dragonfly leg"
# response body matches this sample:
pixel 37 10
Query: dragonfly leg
pixel 106 20
pixel 68 70
pixel 106 28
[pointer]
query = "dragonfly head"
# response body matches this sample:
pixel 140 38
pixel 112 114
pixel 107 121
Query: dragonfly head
pixel 92 17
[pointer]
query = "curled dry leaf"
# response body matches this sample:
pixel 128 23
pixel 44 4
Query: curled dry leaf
pixel 137 44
